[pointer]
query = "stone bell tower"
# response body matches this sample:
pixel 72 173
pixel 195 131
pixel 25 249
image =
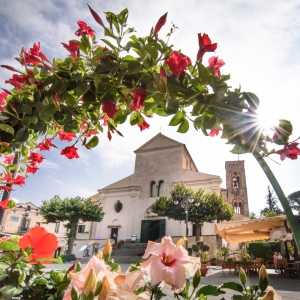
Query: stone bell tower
pixel 236 186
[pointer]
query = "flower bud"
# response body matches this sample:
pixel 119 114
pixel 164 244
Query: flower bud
pixel 107 249
pixel 262 273
pixel 90 283
pixel 104 289
pixel 243 276
pixel 181 242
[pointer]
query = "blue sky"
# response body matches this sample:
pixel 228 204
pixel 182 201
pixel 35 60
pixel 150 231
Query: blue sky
pixel 258 40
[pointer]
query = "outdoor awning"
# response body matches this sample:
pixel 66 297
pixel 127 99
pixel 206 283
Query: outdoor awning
pixel 241 231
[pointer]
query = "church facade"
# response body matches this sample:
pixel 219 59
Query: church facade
pixel 160 164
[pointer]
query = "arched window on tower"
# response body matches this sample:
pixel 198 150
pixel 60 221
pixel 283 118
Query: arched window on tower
pixel 160 187
pixel 152 188
pixel 237 208
pixel 235 183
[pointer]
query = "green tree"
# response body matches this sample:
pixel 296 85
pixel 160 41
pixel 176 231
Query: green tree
pixel 205 207
pixel 271 208
pixel 71 210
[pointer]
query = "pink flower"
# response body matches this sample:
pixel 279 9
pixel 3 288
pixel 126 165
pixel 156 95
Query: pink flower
pixel 84 29
pixel 34 56
pixel 73 48
pixel 178 63
pixel 8 159
pixel 46 145
pixel 70 152
pixel 18 81
pixel 214 132
pixel 143 125
pixel 169 263
pixel 66 135
pixel 291 151
pixel 214 63
pixel 109 107
pixel 138 97
pixel 3 96
pixel 79 279
pixel 205 45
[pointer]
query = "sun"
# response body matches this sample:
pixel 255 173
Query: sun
pixel 267 119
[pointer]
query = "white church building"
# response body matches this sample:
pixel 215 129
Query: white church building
pixel 160 164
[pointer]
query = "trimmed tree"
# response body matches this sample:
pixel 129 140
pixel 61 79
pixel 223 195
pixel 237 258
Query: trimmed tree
pixel 271 208
pixel 206 207
pixel 71 211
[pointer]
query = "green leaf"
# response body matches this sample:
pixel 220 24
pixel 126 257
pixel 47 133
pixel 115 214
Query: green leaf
pixel 177 118
pixel 74 294
pixel 184 126
pixel 238 149
pixel 252 99
pixel 22 135
pixel 243 276
pixel 10 291
pixel 7 128
pixel 196 279
pixel 209 290
pixel 108 43
pixel 122 16
pixel 232 286
pixel 9 245
pixel 135 118
pixel 92 143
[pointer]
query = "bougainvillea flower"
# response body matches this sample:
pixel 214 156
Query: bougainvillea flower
pixel 34 55
pixel 84 29
pixel 138 97
pixel 169 263
pixel 8 159
pixel 46 145
pixel 32 169
pixel 214 132
pixel 143 125
pixel 178 63
pixel 18 81
pixel 19 180
pixel 70 152
pixel 205 45
pixel 42 243
pixel 4 203
pixel 214 63
pixel 36 157
pixel 291 151
pixel 160 23
pixel 3 96
pixel 66 135
pixel 73 48
pixel 109 107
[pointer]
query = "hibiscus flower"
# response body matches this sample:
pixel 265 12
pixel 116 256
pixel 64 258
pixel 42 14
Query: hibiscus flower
pixel 70 152
pixel 178 63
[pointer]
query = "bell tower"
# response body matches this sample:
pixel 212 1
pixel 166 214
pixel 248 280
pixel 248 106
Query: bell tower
pixel 236 186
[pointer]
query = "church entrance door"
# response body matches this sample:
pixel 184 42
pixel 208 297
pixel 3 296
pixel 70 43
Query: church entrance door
pixel 152 230
pixel 114 234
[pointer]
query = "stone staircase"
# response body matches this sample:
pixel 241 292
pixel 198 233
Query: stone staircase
pixel 129 252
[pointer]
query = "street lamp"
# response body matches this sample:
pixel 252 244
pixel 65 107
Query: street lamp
pixel 185 202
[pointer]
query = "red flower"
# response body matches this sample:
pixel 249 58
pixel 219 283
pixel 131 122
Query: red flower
pixel 73 48
pixel 8 178
pixel 70 152
pixel 291 151
pixel 32 169
pixel 205 45
pixel 8 159
pixel 36 157
pixel 34 55
pixel 19 180
pixel 143 125
pixel 84 29
pixel 66 135
pixel 138 97
pixel 215 64
pixel 178 63
pixel 4 203
pixel 46 145
pixel 109 107
pixel 5 188
pixel 160 23
pixel 214 132
pixel 3 96
pixel 18 81
pixel 42 243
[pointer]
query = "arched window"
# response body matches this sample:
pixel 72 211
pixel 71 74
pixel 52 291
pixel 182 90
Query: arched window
pixel 159 187
pixel 152 188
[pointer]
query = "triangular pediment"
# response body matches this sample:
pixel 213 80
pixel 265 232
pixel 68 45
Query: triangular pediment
pixel 159 141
